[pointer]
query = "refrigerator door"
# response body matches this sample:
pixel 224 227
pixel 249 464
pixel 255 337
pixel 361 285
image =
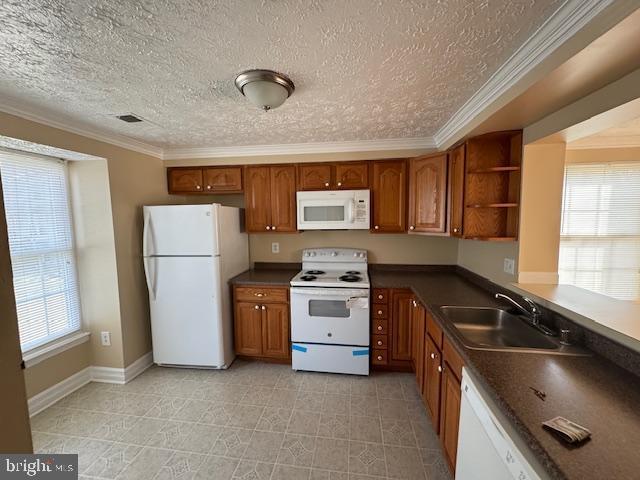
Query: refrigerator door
pixel 186 312
pixel 183 230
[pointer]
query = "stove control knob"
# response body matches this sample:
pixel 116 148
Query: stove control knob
pixel 329 334
pixel 361 255
pixel 313 254
pixel 356 254
pixel 334 254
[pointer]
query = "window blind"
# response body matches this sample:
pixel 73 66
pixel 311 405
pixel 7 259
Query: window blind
pixel 36 203
pixel 600 233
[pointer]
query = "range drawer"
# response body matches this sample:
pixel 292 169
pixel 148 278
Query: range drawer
pixel 262 294
pixel 379 326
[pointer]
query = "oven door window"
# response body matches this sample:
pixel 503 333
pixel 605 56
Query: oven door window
pixel 329 308
pixel 324 213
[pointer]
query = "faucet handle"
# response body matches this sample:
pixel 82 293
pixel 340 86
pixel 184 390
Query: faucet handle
pixel 534 308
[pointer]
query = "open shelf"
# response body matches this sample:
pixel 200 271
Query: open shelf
pixel 506 169
pixel 493 205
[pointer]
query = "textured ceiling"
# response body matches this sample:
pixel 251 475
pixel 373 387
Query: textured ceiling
pixel 363 69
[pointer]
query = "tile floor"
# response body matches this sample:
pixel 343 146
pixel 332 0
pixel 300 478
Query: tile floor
pixel 254 421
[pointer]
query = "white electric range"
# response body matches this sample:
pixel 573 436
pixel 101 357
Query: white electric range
pixel 330 312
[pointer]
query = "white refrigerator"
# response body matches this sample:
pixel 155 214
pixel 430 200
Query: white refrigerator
pixel 190 252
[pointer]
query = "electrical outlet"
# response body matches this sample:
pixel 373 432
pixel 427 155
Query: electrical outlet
pixel 275 247
pixel 509 266
pixel 105 339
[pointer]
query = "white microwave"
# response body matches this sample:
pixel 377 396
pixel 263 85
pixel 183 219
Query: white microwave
pixel 333 210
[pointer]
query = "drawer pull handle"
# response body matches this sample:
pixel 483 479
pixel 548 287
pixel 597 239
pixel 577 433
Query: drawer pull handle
pixel 379 357
pixel 379 312
pixel 379 342
pixel 380 297
pixel 379 327
pixel 260 294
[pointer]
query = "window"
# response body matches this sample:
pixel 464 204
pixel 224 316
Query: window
pixel 600 234
pixel 36 203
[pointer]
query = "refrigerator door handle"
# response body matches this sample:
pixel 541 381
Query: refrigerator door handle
pixel 151 285
pixel 148 239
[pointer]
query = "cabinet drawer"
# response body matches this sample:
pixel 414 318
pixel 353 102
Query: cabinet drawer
pixel 379 341
pixel 380 295
pixel 379 326
pixel 379 357
pixel 265 295
pixel 434 331
pixel 380 311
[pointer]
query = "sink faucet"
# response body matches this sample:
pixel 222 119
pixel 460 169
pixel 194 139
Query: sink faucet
pixel 532 314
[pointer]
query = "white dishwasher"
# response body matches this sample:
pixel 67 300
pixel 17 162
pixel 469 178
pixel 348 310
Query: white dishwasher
pixel 485 449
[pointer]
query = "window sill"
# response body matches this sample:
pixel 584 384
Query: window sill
pixel 51 349
pixel 612 318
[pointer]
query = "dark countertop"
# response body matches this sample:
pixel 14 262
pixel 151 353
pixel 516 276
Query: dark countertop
pixel 591 391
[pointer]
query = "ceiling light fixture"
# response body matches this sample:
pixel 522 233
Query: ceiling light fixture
pixel 265 88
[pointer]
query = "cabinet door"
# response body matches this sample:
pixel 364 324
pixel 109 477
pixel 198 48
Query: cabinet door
pixel 352 175
pixel 248 329
pixel 275 331
pixel 432 380
pixel 223 179
pixel 428 194
pixel 184 180
pixel 401 326
pixel 417 336
pixel 456 186
pixel 388 191
pixel 314 176
pixel 257 199
pixel 283 198
pixel 450 415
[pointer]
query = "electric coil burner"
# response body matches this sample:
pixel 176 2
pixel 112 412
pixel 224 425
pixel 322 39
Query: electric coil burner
pixel 330 312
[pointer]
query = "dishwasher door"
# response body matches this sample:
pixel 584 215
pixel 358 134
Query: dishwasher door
pixel 485 450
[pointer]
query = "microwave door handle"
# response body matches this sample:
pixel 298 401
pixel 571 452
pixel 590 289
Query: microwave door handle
pixel 350 209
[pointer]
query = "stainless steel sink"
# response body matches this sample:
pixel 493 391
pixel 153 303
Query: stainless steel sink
pixel 485 328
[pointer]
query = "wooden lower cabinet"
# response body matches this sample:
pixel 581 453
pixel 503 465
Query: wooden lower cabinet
pixel 402 308
pixel 417 341
pixel 432 381
pixel 450 397
pixel 261 326
pixel 275 331
pixel 248 329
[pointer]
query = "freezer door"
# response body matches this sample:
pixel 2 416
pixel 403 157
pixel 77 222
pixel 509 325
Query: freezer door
pixel 180 230
pixel 186 312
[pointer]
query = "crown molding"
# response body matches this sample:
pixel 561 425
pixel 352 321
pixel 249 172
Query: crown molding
pixel 566 22
pixel 426 143
pixel 78 128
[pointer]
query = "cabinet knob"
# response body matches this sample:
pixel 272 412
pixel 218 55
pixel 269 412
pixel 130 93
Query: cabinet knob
pixel 412 227
pixel 379 357
pixel 198 187
pixel 380 297
pixel 455 230
pixel 268 227
pixel 379 312
pixel 326 184
pixel 257 307
pixel 376 227
pixel 259 294
pixel 339 184
pixel 415 304
pixel 379 342
pixel 273 227
pixel 263 307
pixel 433 355
pixel 208 187
pixel 379 327
pixel 439 369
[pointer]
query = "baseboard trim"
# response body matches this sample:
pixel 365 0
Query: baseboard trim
pixel 51 395
pixel 57 392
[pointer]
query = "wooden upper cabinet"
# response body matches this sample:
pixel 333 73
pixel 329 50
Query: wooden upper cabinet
pixel 456 188
pixel 184 180
pixel 428 194
pixel 257 198
pixel 401 342
pixel 314 176
pixel 283 198
pixel 275 331
pixel 222 179
pixel 351 175
pixel 388 195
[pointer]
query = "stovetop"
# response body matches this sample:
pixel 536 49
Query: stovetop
pixel 333 267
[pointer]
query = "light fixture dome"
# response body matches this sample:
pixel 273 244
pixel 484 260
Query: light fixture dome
pixel 265 88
